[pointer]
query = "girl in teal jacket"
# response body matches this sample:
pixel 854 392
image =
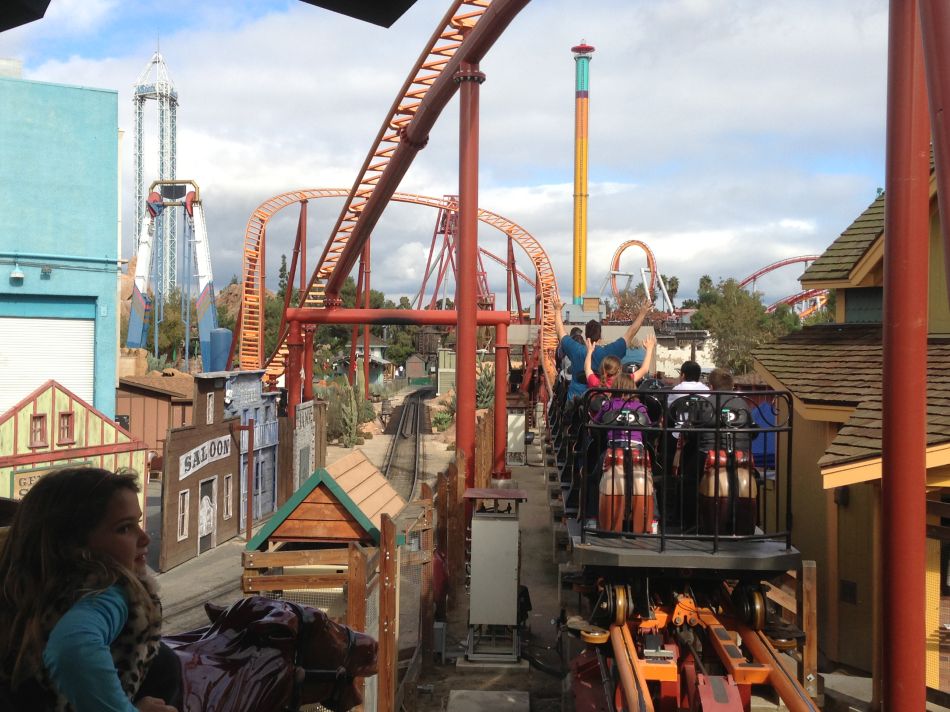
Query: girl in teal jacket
pixel 80 619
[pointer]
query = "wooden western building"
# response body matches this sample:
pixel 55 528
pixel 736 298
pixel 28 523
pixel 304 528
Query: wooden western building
pixel 51 428
pixel 148 405
pixel 834 371
pixel 239 394
pixel 201 484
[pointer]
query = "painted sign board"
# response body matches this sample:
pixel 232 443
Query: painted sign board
pixel 198 457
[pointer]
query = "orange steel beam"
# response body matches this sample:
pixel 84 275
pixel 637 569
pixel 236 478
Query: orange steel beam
pixel 628 682
pixel 495 258
pixel 250 353
pixel 615 266
pixel 464 37
pixel 904 399
pixel 790 692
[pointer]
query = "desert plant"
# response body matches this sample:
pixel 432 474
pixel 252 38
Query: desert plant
pixel 349 417
pixel 441 420
pixel 364 408
pixel 485 387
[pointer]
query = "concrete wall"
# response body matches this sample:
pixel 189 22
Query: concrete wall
pixel 59 209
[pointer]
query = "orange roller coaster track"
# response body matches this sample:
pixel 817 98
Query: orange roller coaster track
pixel 251 352
pixel 774 266
pixel 467 31
pixel 615 267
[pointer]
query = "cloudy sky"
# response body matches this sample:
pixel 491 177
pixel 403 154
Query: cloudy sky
pixel 726 134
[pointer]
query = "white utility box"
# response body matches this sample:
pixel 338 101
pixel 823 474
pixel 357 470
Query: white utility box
pixel 495 563
pixel 515 450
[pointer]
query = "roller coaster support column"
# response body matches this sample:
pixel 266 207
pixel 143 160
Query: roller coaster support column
pixel 308 330
pixel 935 28
pixel 903 481
pixel 294 358
pixel 499 472
pixel 354 331
pixel 466 301
pixel 366 354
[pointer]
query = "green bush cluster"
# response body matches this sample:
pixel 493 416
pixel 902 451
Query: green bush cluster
pixel 347 409
pixel 442 420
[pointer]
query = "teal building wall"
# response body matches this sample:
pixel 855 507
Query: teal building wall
pixel 59 212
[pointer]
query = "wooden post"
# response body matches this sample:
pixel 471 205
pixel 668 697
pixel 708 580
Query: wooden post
pixel 356 595
pixel 426 601
pixel 356 588
pixel 808 622
pixel 388 653
pixel 442 512
pixel 456 533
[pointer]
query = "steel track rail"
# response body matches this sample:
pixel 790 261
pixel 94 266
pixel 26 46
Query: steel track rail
pixel 251 354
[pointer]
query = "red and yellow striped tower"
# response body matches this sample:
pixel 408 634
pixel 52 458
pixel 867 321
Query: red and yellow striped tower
pixel 582 54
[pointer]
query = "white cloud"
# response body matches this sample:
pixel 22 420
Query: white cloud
pixel 725 135
pixel 69 17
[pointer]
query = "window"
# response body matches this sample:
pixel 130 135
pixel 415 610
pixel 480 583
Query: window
pixel 64 434
pixel 184 501
pixel 38 431
pixel 228 496
pixel 209 415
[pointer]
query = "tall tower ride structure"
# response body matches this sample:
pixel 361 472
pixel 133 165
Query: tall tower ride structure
pixel 582 54
pixel 155 83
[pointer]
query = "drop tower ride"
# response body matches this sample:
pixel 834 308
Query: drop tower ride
pixel 582 54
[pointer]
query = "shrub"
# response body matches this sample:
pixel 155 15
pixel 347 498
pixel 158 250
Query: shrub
pixel 442 420
pixel 485 387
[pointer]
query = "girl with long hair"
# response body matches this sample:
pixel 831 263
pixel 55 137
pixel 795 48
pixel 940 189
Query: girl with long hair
pixel 80 618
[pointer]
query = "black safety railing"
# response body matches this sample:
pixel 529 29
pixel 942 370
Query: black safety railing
pixel 678 467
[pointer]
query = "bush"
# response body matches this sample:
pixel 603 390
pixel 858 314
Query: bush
pixel 485 387
pixel 367 412
pixel 442 420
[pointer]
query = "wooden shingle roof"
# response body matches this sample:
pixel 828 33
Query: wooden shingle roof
pixel 343 502
pixel 180 386
pixel 841 364
pixel 847 250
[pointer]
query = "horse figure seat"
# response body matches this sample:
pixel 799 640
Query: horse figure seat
pixel 261 654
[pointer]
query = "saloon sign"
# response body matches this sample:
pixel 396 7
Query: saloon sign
pixel 196 458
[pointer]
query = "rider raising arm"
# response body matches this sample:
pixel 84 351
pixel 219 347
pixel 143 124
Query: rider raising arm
pixel 577 353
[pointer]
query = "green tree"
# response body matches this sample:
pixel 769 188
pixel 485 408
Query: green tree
pixel 736 319
pixel 825 314
pixel 672 285
pixel 783 321
pixel 171 330
pixel 225 319
pixel 282 277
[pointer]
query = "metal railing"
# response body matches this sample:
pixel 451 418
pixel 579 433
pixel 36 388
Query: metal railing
pixel 265 435
pixel 668 467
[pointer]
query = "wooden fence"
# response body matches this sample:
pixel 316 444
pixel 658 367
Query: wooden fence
pixel 367 575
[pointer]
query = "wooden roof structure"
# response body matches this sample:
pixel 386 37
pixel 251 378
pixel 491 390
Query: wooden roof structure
pixel 842 256
pixel 341 503
pixel 837 369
